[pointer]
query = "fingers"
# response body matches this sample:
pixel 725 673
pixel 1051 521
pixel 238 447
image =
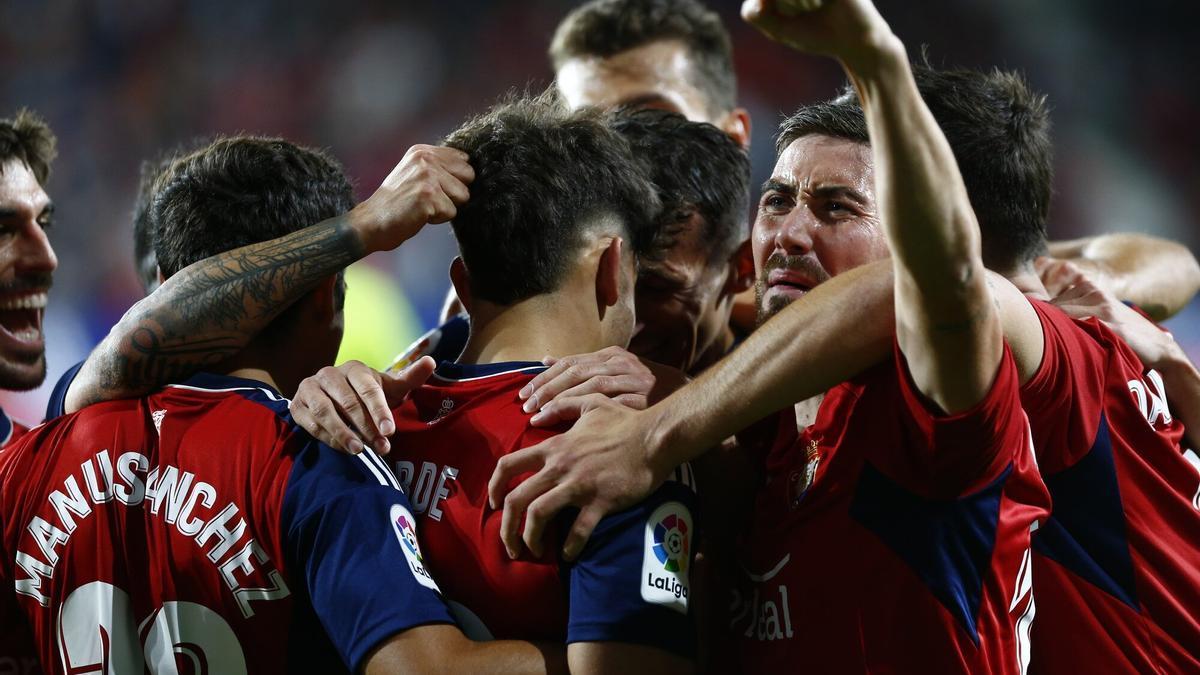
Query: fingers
pixel 377 414
pixel 611 371
pixel 508 468
pixel 320 420
pixel 570 408
pixel 581 530
pixel 540 512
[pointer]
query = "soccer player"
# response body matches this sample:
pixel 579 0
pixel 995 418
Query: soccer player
pixel 1090 401
pixel 546 267
pixel 27 261
pixel 198 524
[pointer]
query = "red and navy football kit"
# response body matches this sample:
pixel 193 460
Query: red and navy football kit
pixel 630 583
pixel 890 539
pixel 1117 565
pixel 199 526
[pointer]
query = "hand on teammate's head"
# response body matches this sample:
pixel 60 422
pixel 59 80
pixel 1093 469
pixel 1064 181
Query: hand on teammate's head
pixel 426 186
pixel 350 407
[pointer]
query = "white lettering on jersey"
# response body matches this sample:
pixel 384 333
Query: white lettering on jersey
pixel 1151 397
pixel 427 493
pixel 767 613
pixel 188 501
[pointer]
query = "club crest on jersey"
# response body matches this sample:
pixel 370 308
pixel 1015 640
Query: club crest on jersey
pixel 406 531
pixel 800 481
pixel 157 417
pixel 668 541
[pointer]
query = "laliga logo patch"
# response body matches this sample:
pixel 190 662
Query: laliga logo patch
pixel 406 531
pixel 667 554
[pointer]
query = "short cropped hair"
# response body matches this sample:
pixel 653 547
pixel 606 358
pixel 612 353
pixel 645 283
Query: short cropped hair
pixel 999 132
pixel 27 138
pixel 695 167
pixel 605 27
pixel 238 191
pixel 543 176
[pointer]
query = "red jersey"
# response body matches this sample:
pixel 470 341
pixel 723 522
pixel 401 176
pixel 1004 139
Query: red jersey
pixel 887 538
pixel 199 526
pixel 630 583
pixel 1117 565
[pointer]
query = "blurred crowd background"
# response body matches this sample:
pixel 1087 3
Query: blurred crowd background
pixel 124 80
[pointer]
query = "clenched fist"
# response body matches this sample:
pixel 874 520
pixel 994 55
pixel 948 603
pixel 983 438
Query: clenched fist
pixel 848 30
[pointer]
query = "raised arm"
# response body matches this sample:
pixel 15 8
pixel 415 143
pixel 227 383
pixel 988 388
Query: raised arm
pixel 1159 276
pixel 211 309
pixel 947 325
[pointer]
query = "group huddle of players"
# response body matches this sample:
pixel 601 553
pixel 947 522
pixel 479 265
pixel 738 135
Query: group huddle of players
pixel 929 441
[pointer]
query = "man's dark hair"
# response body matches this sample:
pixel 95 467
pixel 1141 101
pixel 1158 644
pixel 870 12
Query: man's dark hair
pixel 239 191
pixel 695 167
pixel 27 138
pixel 606 27
pixel 543 176
pixel 999 132
pixel 145 262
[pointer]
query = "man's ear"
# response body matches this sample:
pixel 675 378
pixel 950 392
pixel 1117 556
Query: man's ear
pixel 737 125
pixel 324 298
pixel 158 271
pixel 608 274
pixel 741 270
pixel 461 278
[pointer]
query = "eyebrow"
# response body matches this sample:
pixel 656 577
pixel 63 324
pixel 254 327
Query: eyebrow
pixel 776 185
pixel 845 191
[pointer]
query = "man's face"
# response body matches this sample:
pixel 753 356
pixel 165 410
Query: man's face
pixel 654 75
pixel 26 265
pixel 680 301
pixel 816 219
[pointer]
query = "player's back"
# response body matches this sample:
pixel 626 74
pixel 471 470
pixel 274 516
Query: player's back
pixel 1117 564
pixel 450 434
pixel 147 532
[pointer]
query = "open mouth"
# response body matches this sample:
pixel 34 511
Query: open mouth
pixel 21 321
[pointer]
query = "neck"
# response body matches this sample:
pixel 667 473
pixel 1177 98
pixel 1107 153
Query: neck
pixel 1026 279
pixel 715 351
pixel 530 330
pixel 268 364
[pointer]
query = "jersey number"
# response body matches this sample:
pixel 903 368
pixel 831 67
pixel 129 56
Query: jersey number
pixel 97 634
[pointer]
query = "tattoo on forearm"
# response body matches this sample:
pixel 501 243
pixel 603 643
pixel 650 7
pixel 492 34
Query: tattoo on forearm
pixel 210 310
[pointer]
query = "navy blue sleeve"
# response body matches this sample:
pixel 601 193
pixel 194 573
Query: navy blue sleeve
pixel 630 583
pixel 351 542
pixel 57 406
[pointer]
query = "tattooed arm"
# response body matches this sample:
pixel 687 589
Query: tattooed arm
pixel 211 309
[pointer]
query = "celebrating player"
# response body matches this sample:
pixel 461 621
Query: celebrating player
pixel 27 261
pixel 546 267
pixel 198 523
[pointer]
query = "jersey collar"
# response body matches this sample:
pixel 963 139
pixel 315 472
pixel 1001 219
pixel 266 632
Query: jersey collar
pixel 215 382
pixel 462 372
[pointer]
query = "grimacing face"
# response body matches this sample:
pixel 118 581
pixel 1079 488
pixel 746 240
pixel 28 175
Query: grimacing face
pixel 816 219
pixel 27 264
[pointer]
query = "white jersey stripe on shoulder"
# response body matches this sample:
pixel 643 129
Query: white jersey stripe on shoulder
pixel 484 377
pixel 379 462
pixel 270 394
pixel 372 468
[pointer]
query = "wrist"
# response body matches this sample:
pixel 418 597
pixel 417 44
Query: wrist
pixel 365 229
pixel 876 58
pixel 661 435
pixel 1174 359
